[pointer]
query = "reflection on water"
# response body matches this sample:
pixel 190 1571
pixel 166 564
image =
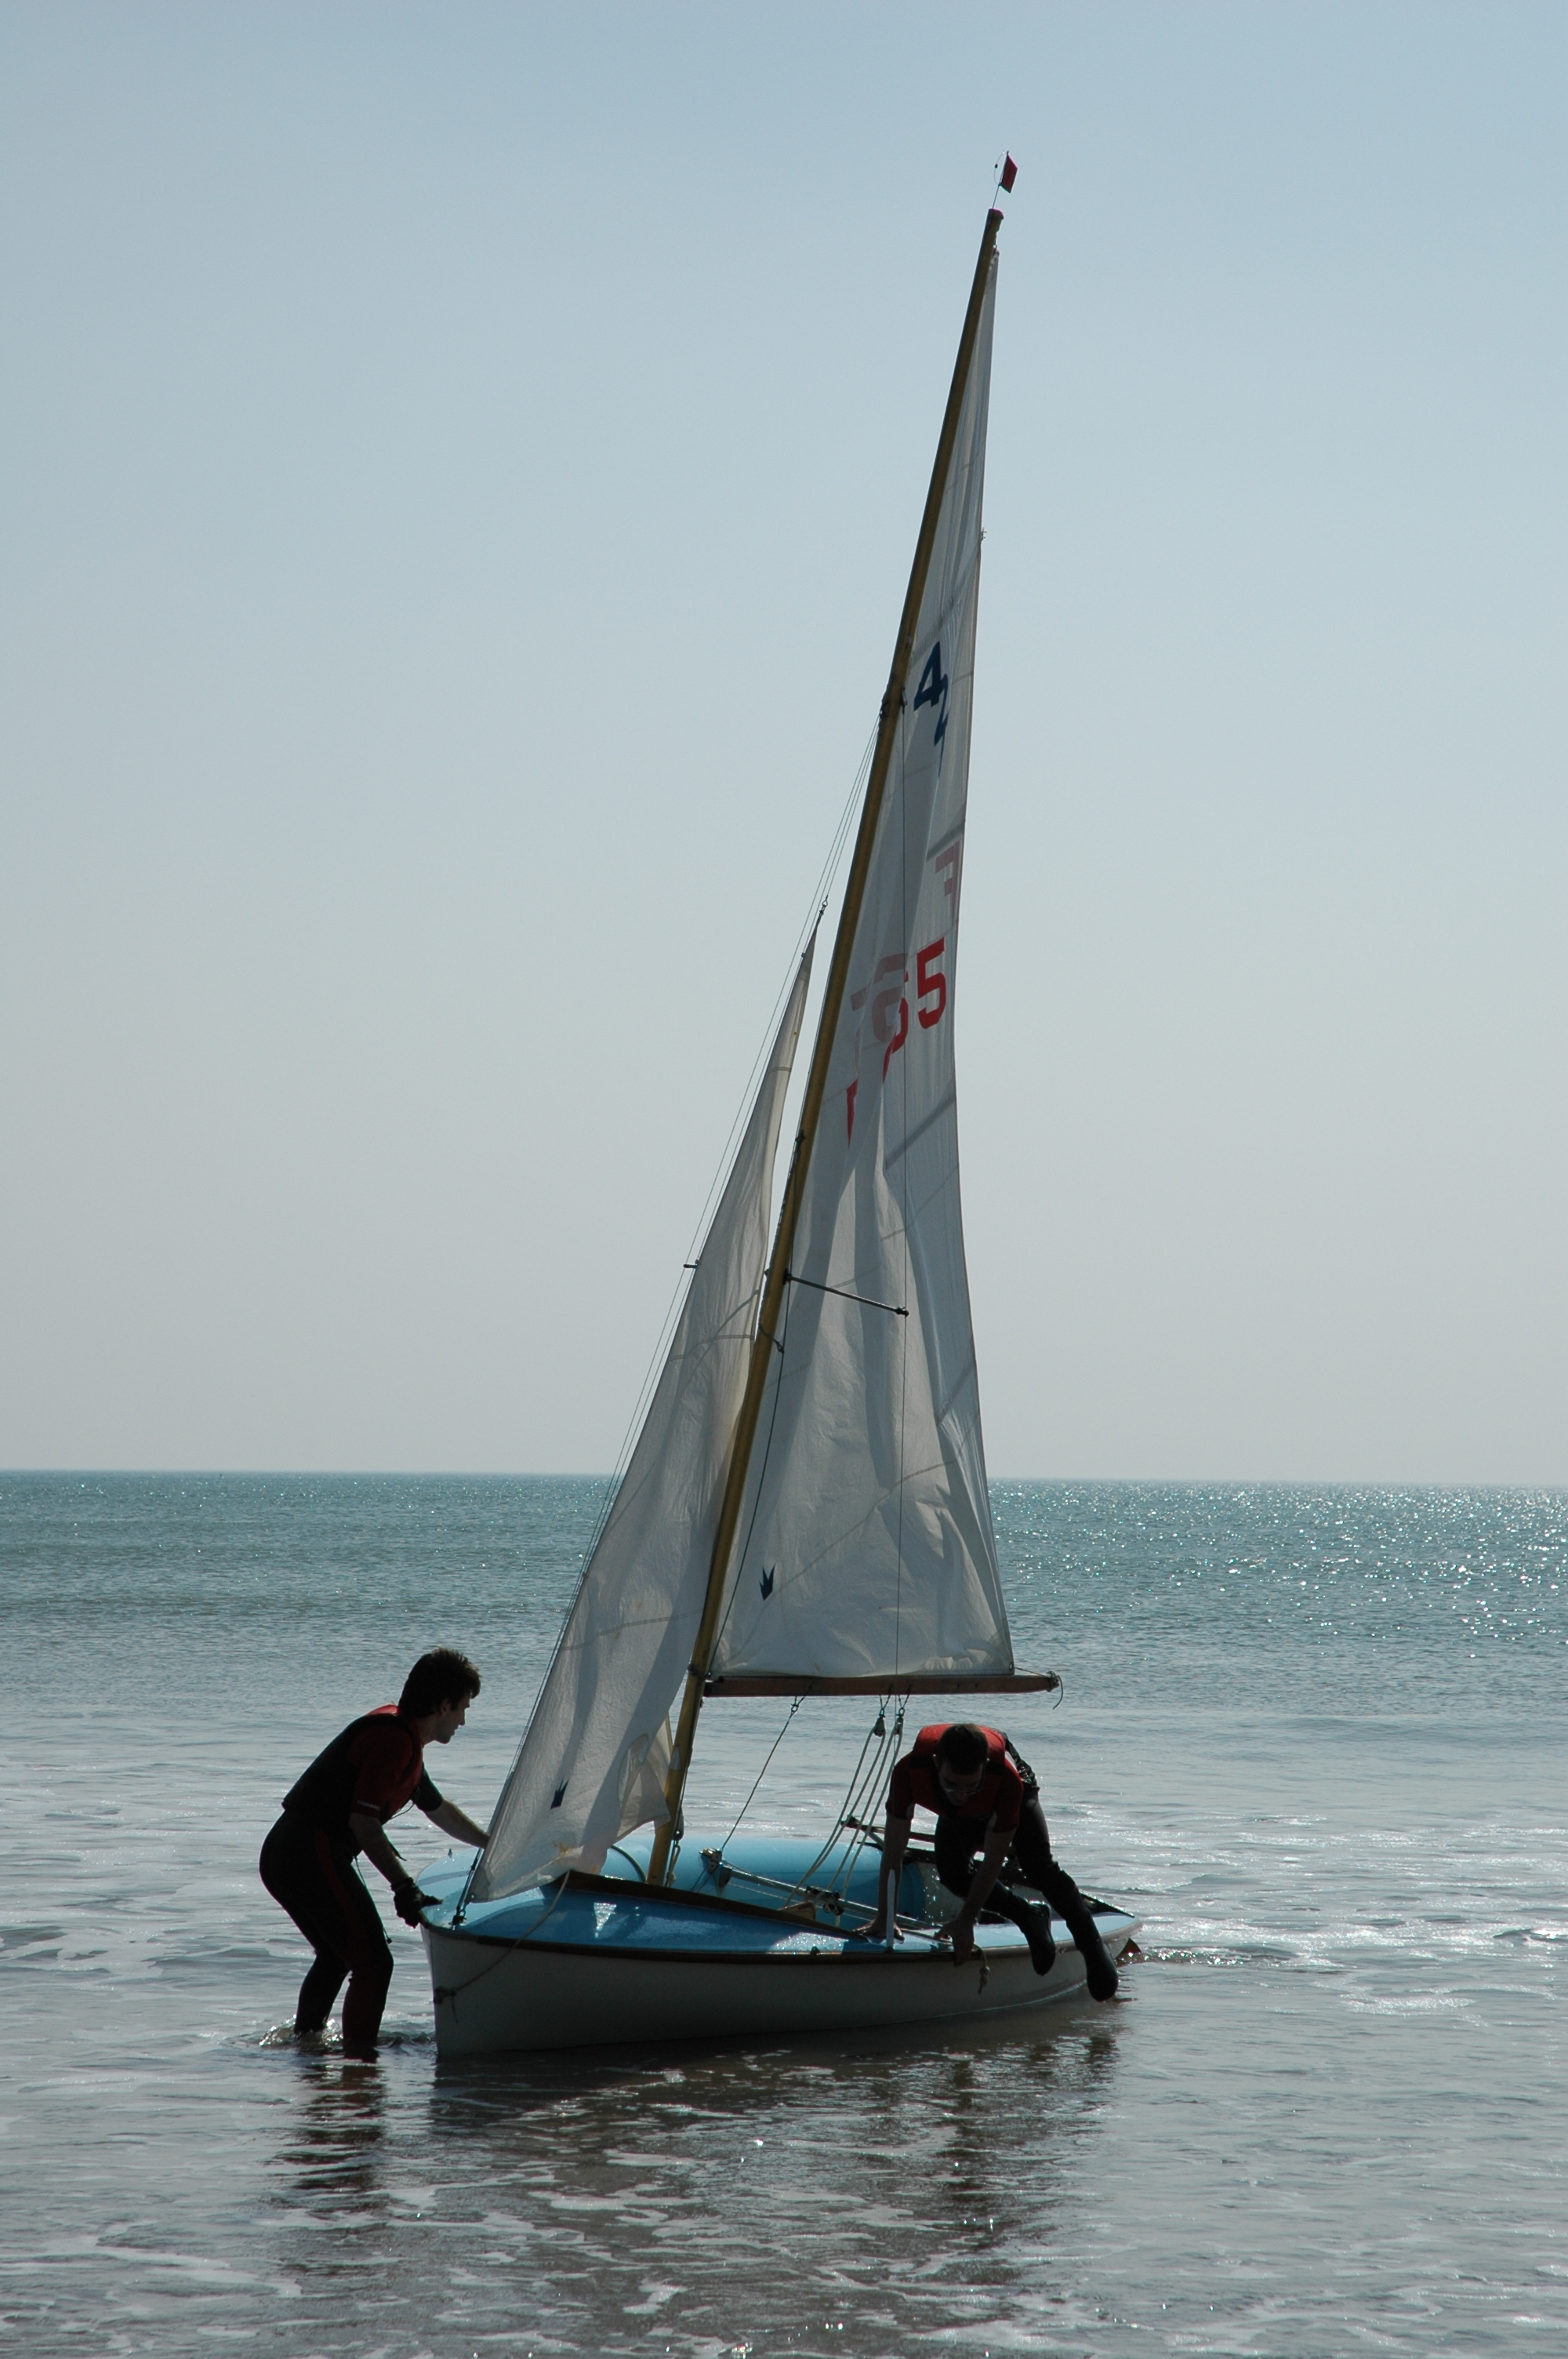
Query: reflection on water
pixel 334 2152
pixel 915 2190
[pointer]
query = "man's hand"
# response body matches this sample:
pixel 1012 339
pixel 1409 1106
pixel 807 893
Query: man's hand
pixel 961 1931
pixel 410 1901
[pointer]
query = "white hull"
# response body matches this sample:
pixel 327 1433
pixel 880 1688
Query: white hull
pixel 496 1996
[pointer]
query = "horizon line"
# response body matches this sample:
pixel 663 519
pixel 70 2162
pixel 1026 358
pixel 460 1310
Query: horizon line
pixel 570 1475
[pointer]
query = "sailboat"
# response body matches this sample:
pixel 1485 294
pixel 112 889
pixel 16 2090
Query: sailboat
pixel 805 1511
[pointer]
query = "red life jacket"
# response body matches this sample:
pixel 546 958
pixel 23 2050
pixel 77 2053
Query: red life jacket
pixel 376 1764
pixel 996 1801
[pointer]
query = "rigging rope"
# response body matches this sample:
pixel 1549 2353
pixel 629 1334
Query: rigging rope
pixel 763 1770
pixel 864 1783
pixel 862 1794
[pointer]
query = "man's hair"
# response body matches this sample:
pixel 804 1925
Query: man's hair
pixel 963 1747
pixel 443 1675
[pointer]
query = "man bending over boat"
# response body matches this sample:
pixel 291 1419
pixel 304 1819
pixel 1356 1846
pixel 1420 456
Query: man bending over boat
pixel 984 1794
pixel 338 1809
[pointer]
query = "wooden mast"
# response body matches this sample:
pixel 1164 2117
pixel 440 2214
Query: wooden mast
pixel 816 1080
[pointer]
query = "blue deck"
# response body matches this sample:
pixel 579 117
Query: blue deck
pixel 765 1872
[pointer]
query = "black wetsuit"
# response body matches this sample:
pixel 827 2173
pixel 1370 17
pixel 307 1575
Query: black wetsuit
pixel 376 1766
pixel 1008 1800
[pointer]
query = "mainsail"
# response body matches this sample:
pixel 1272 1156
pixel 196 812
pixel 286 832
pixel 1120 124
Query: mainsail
pixel 593 1762
pixel 865 1547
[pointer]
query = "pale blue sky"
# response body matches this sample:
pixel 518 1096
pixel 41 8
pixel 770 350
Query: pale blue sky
pixel 461 469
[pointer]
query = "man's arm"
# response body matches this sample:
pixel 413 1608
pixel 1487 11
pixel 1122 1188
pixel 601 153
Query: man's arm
pixel 371 1836
pixel 456 1823
pixel 895 1837
pixel 961 1927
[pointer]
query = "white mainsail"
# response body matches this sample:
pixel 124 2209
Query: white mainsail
pixel 593 1762
pixel 865 1545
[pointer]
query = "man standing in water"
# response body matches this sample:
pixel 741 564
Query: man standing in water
pixel 967 1775
pixel 338 1809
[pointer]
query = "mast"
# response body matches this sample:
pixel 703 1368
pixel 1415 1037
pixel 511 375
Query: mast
pixel 816 1080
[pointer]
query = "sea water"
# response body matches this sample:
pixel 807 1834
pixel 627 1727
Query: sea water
pixel 1314 1737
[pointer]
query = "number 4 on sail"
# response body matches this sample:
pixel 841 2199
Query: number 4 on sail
pixel 805 1511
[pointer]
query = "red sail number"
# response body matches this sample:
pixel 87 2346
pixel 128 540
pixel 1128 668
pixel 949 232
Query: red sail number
pixel 930 981
pixel 931 999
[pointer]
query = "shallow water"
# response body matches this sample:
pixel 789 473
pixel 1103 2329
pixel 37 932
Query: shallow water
pixel 1315 1737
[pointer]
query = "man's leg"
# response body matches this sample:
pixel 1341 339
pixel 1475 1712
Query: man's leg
pixel 288 1871
pixel 317 1992
pixel 361 1937
pixel 1031 1850
pixel 955 1844
pixel 309 1876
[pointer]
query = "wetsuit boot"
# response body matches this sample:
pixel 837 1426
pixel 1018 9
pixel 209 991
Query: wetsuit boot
pixel 1099 1970
pixel 1031 1850
pixel 1035 1926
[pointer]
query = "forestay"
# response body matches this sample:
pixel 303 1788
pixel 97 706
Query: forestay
pixel 593 1762
pixel 866 1547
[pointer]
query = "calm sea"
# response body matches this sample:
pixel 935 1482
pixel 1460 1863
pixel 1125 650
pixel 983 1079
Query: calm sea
pixel 1316 1736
